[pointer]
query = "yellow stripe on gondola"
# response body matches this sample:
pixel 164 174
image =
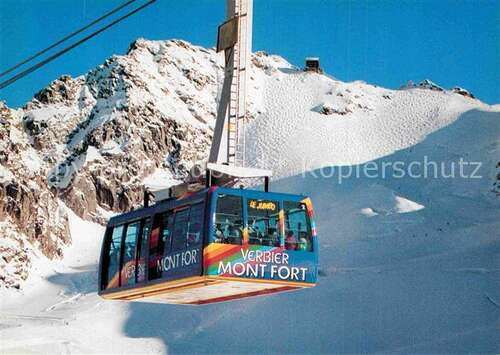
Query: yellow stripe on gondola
pixel 114 281
pixel 245 236
pixel 215 249
pixel 212 248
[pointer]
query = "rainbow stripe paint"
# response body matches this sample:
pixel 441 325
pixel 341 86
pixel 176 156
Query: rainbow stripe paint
pixel 259 262
pixel 216 253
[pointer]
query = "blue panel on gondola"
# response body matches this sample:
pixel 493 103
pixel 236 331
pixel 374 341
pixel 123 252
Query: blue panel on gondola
pixel 273 239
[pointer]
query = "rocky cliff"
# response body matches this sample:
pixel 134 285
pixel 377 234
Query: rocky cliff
pixel 89 142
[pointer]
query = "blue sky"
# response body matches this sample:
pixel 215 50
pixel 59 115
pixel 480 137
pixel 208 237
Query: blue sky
pixel 386 42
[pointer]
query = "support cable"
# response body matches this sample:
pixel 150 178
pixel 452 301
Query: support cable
pixel 72 34
pixel 67 49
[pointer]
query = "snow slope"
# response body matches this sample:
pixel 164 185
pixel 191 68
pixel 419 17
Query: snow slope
pixel 408 264
pixel 377 122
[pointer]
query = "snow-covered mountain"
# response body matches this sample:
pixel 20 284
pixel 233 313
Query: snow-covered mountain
pixel 408 264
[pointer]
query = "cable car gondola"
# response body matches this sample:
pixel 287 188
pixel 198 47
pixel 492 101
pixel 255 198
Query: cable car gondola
pixel 215 245
pixel 218 243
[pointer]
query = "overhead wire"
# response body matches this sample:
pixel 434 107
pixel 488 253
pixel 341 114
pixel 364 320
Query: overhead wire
pixel 67 49
pixel 64 39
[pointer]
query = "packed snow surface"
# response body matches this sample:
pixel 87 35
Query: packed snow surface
pixel 408 264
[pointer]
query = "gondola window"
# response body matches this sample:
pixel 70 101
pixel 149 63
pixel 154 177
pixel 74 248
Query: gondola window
pixel 129 252
pixel 263 222
pixel 297 227
pixel 160 243
pixel 114 257
pixel 180 230
pixel 195 227
pixel 228 220
pixel 143 243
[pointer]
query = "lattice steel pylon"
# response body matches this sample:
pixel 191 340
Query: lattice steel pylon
pixel 235 38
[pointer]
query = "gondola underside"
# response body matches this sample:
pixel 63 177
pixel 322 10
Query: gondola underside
pixel 204 290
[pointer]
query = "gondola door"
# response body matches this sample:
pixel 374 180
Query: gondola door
pixel 125 256
pixel 176 243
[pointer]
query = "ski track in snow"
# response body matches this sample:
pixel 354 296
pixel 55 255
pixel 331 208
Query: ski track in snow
pixel 406 265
